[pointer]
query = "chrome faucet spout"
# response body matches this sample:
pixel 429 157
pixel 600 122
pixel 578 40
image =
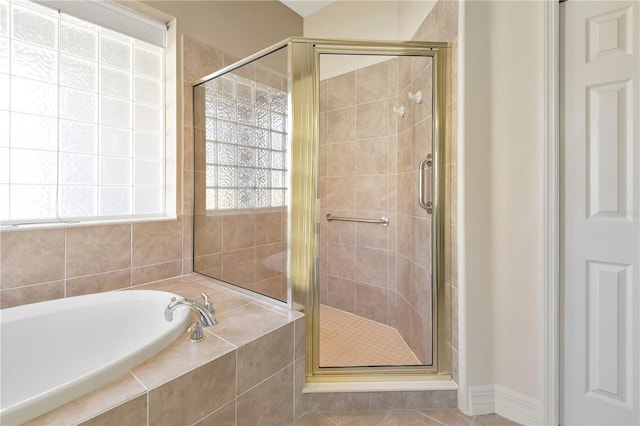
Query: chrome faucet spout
pixel 206 318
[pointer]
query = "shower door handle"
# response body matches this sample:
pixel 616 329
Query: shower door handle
pixel 427 205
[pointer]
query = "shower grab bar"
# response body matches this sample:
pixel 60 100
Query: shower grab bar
pixel 427 205
pixel 384 221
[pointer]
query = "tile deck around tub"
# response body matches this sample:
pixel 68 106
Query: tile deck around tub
pixel 149 390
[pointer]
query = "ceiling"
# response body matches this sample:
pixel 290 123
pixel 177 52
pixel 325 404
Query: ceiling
pixel 305 8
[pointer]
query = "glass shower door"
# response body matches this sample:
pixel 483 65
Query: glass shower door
pixel 375 257
pixel 351 135
pixel 241 151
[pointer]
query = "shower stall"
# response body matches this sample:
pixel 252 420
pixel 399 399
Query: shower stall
pixel 320 183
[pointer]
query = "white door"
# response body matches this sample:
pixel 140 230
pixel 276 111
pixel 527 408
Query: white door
pixel 600 107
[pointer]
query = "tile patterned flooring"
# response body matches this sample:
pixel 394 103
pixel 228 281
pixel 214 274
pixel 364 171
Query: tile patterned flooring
pixel 442 417
pixel 350 340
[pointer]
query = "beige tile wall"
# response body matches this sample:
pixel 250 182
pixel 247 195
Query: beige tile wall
pixel 38 265
pixel 357 179
pixel 244 248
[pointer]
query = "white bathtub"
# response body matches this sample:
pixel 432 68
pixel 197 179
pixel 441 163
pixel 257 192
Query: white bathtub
pixel 53 352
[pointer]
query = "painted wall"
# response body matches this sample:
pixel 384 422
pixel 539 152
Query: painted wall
pixel 376 20
pixel 516 181
pixel 370 20
pixel 239 28
pixel 500 195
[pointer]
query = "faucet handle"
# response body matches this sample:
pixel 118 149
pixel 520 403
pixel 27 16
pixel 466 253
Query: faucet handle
pixel 207 302
pixel 195 330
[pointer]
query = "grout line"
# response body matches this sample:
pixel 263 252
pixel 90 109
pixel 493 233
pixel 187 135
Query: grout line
pixel 65 262
pixel 160 280
pixel 236 397
pixel 322 415
pixel 263 381
pixel 155 264
pixel 385 416
pixel 431 418
pixel 148 410
pixel 99 273
pixel 139 381
pixel 235 347
pixel 131 265
pixel 33 285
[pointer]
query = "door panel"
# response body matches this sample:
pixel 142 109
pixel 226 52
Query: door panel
pixel 375 277
pixel 600 237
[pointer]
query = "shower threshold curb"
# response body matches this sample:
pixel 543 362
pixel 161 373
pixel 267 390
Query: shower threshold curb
pixel 390 386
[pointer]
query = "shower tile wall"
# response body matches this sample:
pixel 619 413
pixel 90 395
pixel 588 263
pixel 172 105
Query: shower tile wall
pixel 247 249
pixel 357 179
pixel 368 168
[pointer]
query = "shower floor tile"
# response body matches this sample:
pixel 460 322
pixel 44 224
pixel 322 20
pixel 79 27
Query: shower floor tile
pixel 348 340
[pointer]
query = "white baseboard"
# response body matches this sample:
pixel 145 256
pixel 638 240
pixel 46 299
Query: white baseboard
pixel 482 400
pixel 505 402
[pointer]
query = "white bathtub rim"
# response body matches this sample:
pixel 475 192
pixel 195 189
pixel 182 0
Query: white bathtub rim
pixel 42 403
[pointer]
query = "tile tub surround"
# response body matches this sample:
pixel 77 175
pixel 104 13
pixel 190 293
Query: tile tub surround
pixel 44 264
pixel 248 371
pixel 241 374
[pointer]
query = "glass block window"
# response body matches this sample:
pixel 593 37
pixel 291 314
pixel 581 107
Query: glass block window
pixel 81 119
pixel 246 144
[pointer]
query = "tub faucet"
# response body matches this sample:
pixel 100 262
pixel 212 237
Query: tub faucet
pixel 204 315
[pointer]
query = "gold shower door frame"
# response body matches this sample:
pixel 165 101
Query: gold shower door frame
pixel 304 81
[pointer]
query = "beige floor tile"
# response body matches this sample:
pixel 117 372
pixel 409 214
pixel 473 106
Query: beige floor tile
pixel 493 420
pixel 357 418
pixel 408 418
pixel 450 417
pixel 350 340
pixel 438 417
pixel 313 419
